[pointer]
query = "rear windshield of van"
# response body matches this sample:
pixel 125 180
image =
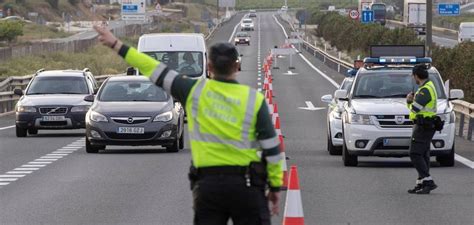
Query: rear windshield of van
pixel 185 63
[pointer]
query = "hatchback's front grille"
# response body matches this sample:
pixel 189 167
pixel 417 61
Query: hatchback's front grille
pixel 53 110
pixel 130 120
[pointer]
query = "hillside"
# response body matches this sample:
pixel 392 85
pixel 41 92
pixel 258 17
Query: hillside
pixel 52 10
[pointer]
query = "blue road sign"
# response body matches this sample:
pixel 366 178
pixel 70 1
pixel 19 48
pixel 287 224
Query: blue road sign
pixel 367 16
pixel 449 9
pixel 130 8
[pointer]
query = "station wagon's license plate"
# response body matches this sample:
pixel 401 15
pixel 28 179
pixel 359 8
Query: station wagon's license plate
pixel 396 142
pixel 53 118
pixel 131 130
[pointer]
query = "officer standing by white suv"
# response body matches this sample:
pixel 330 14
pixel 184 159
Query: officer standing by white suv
pixel 423 106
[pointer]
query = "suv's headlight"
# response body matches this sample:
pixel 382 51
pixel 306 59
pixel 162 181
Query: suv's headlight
pixel 448 117
pixel 236 39
pixel 164 117
pixel 97 117
pixel 358 119
pixel 27 109
pixel 82 108
pixel 336 114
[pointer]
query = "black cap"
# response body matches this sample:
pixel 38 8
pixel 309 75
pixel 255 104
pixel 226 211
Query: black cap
pixel 223 49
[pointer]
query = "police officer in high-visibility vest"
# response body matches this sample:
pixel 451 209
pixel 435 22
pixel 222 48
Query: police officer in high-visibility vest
pixel 423 106
pixel 234 146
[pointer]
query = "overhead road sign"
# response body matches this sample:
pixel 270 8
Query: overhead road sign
pixel 133 9
pixel 354 14
pixel 367 16
pixel 449 9
pixel 227 3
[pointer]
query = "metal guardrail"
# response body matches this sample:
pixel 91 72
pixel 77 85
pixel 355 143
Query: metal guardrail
pixel 464 110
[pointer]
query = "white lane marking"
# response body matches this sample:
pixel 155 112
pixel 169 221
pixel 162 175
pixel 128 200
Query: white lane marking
pixel 25 169
pixel 307 61
pixel 235 29
pixel 9 127
pixel 310 107
pixel 19 172
pixel 464 161
pixel 290 73
pixel 457 157
pixel 259 78
pixel 41 162
pixel 259 83
pixel 12 176
pixel 32 165
pixel 259 89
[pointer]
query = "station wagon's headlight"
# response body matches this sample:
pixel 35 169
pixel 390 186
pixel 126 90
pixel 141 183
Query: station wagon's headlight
pixel 97 117
pixel 27 109
pixel 353 118
pixel 82 108
pixel 164 117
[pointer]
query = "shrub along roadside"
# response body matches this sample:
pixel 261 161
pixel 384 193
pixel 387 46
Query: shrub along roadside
pixel 456 64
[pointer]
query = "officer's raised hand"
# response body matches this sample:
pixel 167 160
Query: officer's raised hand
pixel 107 38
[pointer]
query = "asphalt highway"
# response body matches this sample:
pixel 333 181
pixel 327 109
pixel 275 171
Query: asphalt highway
pixel 136 185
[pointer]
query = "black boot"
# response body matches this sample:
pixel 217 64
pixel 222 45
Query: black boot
pixel 426 187
pixel 415 189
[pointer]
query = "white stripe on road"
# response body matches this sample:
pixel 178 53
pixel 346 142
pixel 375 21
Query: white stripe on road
pixel 19 172
pixel 25 169
pixel 40 162
pixel 8 179
pixel 4 183
pixel 464 161
pixel 51 157
pixel 12 176
pixel 32 166
pixel 45 160
pixel 5 128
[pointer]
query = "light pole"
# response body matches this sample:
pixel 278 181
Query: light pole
pixel 429 27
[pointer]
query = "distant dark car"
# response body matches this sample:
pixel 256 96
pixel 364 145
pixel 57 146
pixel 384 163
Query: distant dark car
pixel 131 110
pixel 242 38
pixel 252 15
pixel 54 100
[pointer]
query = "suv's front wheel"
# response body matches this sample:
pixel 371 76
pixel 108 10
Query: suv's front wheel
pixel 349 160
pixel 21 132
pixel 447 160
pixel 333 150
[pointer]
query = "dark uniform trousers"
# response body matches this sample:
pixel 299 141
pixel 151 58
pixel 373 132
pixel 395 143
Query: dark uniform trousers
pixel 220 197
pixel 420 149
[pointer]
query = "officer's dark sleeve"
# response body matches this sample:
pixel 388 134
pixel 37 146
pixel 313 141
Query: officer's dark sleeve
pixel 421 100
pixel 178 86
pixel 270 145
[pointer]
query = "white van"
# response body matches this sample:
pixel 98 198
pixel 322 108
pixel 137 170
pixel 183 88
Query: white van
pixel 184 53
pixel 466 32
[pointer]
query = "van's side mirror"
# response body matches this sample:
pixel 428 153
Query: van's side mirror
pixel 18 92
pixel 131 71
pixel 89 98
pixel 456 94
pixel 341 95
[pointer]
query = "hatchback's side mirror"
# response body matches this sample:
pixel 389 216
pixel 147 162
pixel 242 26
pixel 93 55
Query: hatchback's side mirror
pixel 456 94
pixel 131 71
pixel 326 98
pixel 18 92
pixel 89 98
pixel 341 95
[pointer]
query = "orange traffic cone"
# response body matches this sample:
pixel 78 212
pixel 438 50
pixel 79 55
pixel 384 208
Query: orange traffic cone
pixel 269 97
pixel 277 123
pixel 275 108
pixel 294 207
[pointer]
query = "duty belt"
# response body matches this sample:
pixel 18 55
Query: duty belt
pixel 222 170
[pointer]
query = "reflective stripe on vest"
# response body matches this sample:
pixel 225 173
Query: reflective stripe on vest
pixel 244 143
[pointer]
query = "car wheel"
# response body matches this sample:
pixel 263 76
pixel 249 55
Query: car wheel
pixel 174 147
pixel 181 141
pixel 91 148
pixel 447 160
pixel 32 131
pixel 21 132
pixel 333 150
pixel 349 160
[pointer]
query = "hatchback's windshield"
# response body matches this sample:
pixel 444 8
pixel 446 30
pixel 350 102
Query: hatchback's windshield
pixel 185 63
pixel 390 85
pixel 136 91
pixel 58 85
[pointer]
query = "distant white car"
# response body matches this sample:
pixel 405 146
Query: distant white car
pixel 334 122
pixel 466 32
pixel 247 25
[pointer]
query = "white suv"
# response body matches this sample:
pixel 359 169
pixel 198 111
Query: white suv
pixel 375 114
pixel 247 25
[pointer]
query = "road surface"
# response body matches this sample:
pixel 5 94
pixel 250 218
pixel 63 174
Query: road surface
pixel 130 185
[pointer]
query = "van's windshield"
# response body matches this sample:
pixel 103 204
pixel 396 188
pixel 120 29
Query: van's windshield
pixel 185 63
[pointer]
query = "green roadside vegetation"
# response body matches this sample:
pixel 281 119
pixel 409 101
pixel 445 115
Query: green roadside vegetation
pixel 456 64
pixel 452 22
pixel 265 4
pixel 37 32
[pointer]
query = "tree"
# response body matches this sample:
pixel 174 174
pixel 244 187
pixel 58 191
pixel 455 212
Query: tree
pixel 53 3
pixel 10 30
pixel 73 2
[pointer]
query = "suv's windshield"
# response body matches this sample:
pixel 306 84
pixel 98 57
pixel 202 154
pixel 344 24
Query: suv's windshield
pixel 242 34
pixel 136 91
pixel 185 63
pixel 58 85
pixel 247 21
pixel 390 85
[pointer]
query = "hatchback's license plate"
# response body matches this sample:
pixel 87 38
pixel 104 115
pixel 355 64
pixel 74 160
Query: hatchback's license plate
pixel 396 142
pixel 54 118
pixel 131 130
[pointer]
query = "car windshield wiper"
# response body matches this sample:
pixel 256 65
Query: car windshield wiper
pixel 366 96
pixel 395 96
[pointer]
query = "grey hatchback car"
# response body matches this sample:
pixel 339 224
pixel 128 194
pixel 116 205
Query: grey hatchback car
pixel 132 111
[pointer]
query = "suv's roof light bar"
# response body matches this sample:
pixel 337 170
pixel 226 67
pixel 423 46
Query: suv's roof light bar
pixel 397 60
